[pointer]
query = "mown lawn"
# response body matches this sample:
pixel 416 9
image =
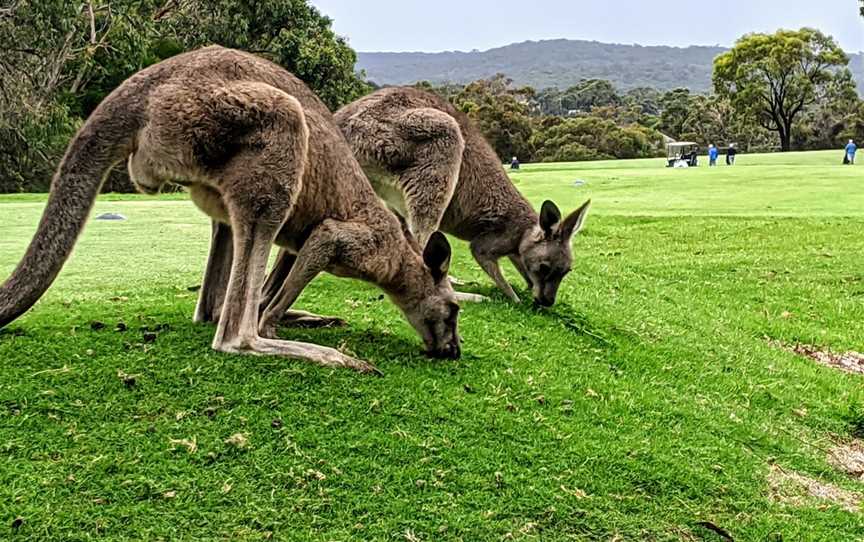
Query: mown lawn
pixel 647 405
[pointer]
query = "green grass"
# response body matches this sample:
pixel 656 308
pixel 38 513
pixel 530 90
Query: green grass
pixel 647 401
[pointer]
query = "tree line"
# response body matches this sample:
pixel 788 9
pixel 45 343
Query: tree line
pixel 782 91
pixel 59 59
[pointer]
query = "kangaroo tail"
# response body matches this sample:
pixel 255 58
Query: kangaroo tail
pixel 105 139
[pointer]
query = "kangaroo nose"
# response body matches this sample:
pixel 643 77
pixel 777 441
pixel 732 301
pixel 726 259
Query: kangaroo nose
pixel 450 351
pixel 544 301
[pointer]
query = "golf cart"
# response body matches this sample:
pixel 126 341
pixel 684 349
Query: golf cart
pixel 682 154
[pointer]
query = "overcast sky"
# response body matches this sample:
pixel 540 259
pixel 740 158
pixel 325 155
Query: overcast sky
pixel 445 25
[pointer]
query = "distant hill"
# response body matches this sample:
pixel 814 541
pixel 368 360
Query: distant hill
pixel 560 63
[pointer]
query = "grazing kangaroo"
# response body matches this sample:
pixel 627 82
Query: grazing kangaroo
pixel 433 166
pixel 259 153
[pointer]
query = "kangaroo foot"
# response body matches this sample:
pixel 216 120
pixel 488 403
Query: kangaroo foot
pixel 310 320
pixel 455 282
pixel 319 355
pixel 470 298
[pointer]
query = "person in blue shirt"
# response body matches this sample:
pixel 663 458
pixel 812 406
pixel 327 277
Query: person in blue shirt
pixel 713 153
pixel 851 149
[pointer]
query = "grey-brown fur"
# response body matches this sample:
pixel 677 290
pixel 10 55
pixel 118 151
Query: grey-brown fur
pixel 431 163
pixel 259 152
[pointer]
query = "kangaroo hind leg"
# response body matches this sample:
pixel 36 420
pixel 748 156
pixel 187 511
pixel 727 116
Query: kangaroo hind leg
pixel 259 188
pixel 429 181
pixel 215 282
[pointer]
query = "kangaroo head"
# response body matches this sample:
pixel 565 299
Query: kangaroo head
pixel 428 301
pixel 544 252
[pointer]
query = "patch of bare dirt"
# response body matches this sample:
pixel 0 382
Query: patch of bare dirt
pixel 849 458
pixel 796 489
pixel 850 362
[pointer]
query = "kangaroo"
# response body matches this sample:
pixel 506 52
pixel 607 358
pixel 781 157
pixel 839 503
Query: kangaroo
pixel 432 164
pixel 261 155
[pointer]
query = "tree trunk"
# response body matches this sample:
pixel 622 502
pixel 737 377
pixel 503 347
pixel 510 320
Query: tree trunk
pixel 785 139
pixel 786 135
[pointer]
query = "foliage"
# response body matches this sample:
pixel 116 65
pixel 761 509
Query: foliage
pixel 827 124
pixel 646 98
pixel 593 138
pixel 51 52
pixel 775 78
pixel 291 33
pixel 59 59
pixel 853 126
pixel 589 94
pixel 675 109
pixel 586 96
pixel 501 112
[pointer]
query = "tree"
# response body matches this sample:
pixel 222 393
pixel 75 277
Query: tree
pixel 823 124
pixel 60 58
pixel 675 109
pixel 592 138
pixel 548 101
pixel 708 121
pixel 291 33
pixel 590 93
pixel 854 124
pixel 773 78
pixel 646 98
pixel 501 113
pixel 50 52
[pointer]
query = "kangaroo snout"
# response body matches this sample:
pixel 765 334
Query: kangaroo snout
pixel 451 350
pixel 544 301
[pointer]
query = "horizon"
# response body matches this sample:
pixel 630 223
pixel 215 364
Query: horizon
pixel 545 40
pixel 416 27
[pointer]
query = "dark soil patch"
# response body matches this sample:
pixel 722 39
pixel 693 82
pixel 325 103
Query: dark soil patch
pixel 850 362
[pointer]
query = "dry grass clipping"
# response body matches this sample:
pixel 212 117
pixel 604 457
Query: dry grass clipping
pixel 796 489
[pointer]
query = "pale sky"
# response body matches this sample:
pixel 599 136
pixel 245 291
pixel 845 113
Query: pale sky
pixel 446 25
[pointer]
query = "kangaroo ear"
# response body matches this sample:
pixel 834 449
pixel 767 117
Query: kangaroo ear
pixel 436 255
pixel 550 216
pixel 574 221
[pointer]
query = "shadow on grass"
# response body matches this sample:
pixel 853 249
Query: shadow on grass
pixel 375 345
pixel 12 332
pixel 605 335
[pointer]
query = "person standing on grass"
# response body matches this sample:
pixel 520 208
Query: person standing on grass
pixel 851 149
pixel 713 153
pixel 730 154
